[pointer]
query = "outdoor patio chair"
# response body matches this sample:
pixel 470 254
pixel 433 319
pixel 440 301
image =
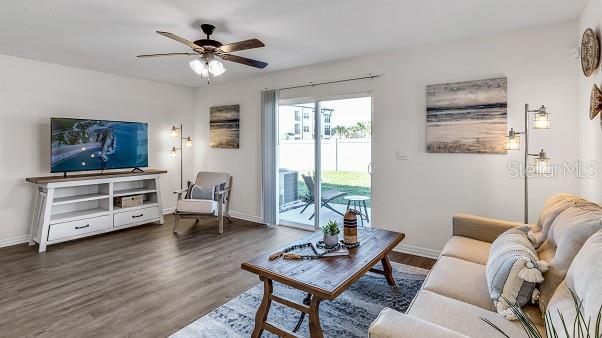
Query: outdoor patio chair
pixel 209 196
pixel 327 196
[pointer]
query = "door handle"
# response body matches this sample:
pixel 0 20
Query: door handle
pixel 136 216
pixel 82 227
pixel 370 168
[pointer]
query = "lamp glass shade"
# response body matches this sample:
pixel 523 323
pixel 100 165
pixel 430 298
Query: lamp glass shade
pixel 174 152
pixel 188 142
pixel 542 166
pixel 541 120
pixel 173 132
pixel 216 67
pixel 513 142
pixel 199 67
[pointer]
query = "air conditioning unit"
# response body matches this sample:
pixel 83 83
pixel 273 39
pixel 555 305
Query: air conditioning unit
pixel 287 180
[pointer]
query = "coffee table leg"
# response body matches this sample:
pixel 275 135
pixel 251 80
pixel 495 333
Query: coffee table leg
pixel 264 308
pixel 388 269
pixel 315 330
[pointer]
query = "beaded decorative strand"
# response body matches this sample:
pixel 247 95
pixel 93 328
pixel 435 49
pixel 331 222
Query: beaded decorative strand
pixel 286 252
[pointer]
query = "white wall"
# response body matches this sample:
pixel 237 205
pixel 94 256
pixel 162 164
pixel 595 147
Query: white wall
pixel 590 141
pixel 420 195
pixel 31 92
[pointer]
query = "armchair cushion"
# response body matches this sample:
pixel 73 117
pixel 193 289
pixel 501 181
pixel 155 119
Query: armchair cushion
pixel 200 193
pixel 393 324
pixel 480 228
pixel 196 206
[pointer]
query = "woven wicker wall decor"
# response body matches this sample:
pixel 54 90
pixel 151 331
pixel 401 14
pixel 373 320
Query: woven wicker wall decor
pixel 595 103
pixel 590 52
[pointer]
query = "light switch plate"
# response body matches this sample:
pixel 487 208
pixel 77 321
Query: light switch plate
pixel 402 156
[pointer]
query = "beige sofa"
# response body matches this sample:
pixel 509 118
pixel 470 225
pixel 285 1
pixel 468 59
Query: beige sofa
pixel 454 297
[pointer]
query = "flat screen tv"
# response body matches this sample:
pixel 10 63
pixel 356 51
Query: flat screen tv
pixel 80 145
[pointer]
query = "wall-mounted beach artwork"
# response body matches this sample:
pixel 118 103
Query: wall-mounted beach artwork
pixel 467 117
pixel 224 127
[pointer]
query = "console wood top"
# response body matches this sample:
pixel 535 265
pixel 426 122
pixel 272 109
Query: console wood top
pixel 91 176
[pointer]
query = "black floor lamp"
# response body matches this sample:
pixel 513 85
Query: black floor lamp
pixel 541 120
pixel 175 131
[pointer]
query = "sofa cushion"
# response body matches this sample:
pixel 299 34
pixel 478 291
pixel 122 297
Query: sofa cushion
pixel 583 278
pixel 467 249
pixel 566 237
pixel 461 280
pixel 551 209
pixel 393 324
pixel 462 317
pixel 513 270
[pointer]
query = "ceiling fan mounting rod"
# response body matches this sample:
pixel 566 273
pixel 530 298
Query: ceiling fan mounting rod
pixel 208 29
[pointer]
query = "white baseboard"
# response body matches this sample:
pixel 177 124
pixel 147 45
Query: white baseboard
pixel 14 240
pixel 246 217
pixel 167 211
pixel 418 251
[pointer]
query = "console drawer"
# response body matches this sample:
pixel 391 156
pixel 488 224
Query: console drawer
pixel 136 216
pixel 79 227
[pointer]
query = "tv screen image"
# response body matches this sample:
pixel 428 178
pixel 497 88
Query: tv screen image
pixel 80 145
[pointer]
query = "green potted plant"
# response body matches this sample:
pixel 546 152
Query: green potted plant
pixel 331 234
pixel 581 328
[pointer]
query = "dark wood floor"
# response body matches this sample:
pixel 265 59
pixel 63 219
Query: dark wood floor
pixel 140 282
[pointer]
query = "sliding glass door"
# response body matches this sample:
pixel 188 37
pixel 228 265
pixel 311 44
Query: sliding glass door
pixel 325 154
pixel 345 149
pixel 296 162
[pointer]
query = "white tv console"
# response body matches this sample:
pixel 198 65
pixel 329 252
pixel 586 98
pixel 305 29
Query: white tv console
pixel 77 206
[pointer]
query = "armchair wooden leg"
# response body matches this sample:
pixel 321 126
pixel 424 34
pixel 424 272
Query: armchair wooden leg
pixel 175 224
pixel 220 215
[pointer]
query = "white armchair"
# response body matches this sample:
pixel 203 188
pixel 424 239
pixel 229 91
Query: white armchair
pixel 219 206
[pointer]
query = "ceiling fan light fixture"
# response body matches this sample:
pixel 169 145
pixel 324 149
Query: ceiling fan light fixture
pixel 216 67
pixel 199 67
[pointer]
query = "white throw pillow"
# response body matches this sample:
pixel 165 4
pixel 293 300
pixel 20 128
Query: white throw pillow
pixel 513 270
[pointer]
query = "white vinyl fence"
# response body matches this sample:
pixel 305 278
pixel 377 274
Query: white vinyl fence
pixel 337 154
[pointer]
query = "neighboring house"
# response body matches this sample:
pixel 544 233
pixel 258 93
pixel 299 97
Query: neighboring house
pixel 297 122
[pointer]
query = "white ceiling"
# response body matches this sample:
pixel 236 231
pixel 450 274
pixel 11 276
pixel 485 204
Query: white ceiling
pixel 106 35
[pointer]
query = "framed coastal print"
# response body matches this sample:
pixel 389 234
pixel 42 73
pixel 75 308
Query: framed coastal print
pixel 467 117
pixel 224 127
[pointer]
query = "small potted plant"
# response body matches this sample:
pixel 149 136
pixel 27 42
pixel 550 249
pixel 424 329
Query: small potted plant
pixel 331 234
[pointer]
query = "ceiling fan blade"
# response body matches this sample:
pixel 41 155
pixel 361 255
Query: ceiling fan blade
pixel 182 40
pixel 164 54
pixel 244 61
pixel 241 45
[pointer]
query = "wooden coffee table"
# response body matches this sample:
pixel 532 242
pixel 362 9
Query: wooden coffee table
pixel 321 279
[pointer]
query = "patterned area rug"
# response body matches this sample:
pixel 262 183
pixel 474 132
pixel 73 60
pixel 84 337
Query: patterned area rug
pixel 350 315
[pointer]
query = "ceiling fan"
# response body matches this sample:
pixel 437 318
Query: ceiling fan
pixel 211 50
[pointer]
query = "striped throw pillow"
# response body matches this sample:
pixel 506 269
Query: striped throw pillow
pixel 513 270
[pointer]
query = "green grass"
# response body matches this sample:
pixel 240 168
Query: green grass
pixel 351 182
